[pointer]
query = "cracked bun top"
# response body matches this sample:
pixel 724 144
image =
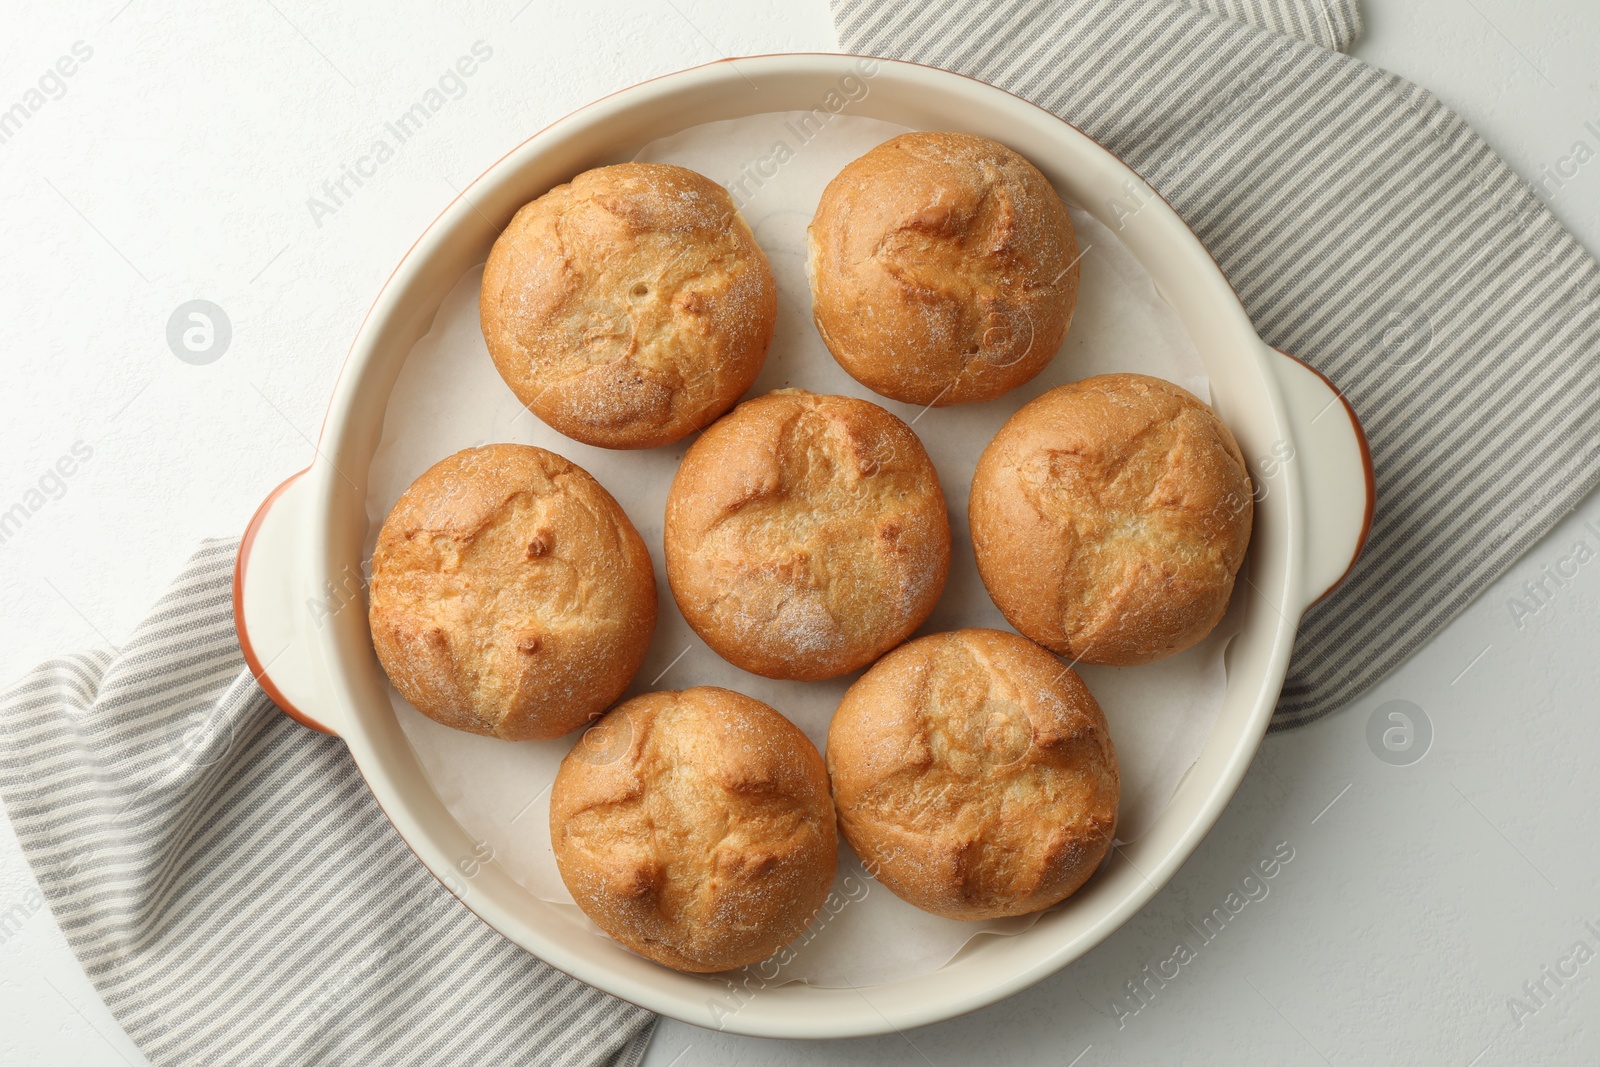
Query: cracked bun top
pixel 806 535
pixel 510 594
pixel 629 307
pixel 944 269
pixel 974 775
pixel 695 827
pixel 1109 518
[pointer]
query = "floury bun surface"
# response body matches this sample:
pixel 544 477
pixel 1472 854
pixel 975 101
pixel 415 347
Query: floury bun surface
pixel 974 775
pixel 695 827
pixel 1109 518
pixel 806 535
pixel 944 269
pixel 510 594
pixel 629 307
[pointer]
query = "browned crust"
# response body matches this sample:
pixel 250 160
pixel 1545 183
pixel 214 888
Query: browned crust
pixel 510 594
pixel 629 307
pixel 699 831
pixel 806 535
pixel 974 775
pixel 1109 518
pixel 943 269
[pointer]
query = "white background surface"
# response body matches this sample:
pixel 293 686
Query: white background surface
pixel 177 165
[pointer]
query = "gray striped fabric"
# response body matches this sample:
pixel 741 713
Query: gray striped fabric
pixel 1370 232
pixel 233 890
pixel 1333 25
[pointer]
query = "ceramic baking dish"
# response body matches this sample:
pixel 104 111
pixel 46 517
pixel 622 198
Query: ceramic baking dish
pixel 1306 450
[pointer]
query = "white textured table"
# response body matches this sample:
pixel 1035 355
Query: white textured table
pixel 176 162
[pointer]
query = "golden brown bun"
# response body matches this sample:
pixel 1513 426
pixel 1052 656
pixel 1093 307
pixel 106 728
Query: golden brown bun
pixel 806 535
pixel 695 827
pixel 943 269
pixel 974 775
pixel 510 594
pixel 630 307
pixel 1109 517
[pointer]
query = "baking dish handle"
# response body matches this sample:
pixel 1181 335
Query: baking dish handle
pixel 1330 448
pixel 274 616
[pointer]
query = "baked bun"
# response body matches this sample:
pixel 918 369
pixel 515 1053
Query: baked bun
pixel 1109 517
pixel 974 775
pixel 944 269
pixel 510 594
pixel 806 535
pixel 695 827
pixel 629 307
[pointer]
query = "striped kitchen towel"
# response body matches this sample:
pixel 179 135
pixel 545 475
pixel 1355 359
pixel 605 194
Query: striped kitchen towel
pixel 233 890
pixel 1368 231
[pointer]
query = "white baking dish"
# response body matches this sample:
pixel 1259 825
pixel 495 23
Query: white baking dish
pixel 303 549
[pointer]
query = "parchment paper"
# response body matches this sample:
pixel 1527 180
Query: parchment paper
pixel 449 396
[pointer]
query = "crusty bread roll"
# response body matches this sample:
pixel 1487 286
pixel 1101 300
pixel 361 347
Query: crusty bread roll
pixel 974 775
pixel 629 307
pixel 943 269
pixel 806 535
pixel 1109 517
pixel 510 594
pixel 696 829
